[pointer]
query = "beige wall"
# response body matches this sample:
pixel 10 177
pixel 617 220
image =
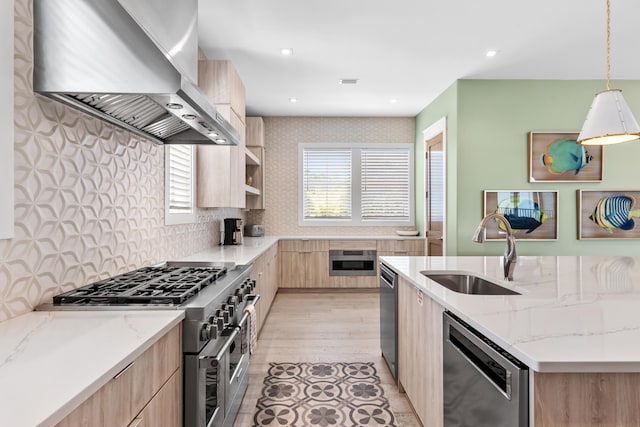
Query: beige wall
pixel 89 198
pixel 282 136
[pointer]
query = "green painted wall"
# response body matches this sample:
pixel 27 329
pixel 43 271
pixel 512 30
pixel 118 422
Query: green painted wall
pixel 444 106
pixel 490 149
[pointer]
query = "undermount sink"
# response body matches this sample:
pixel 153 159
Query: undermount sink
pixel 468 284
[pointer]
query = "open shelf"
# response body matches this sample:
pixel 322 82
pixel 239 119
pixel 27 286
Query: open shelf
pixel 251 159
pixel 251 191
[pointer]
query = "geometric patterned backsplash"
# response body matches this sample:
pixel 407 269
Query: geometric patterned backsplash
pixel 89 197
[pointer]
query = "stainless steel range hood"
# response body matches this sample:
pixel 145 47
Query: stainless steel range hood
pixel 130 62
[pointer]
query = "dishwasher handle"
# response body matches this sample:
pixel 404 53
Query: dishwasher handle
pixel 388 276
pixel 496 365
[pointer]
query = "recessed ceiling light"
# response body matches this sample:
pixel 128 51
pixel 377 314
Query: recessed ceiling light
pixel 348 81
pixel 491 53
pixel 393 100
pixel 293 100
pixel 286 51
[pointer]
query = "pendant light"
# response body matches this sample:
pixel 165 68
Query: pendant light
pixel 609 120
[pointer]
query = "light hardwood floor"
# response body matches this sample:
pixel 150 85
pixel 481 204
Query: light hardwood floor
pixel 322 327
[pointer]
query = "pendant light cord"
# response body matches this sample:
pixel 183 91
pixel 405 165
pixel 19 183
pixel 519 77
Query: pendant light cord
pixel 608 44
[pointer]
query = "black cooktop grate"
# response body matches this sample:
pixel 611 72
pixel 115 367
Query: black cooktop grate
pixel 145 286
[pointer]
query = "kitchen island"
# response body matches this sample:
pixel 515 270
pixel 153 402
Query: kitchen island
pixel 575 325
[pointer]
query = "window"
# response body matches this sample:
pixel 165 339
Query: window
pixel 356 184
pixel 179 184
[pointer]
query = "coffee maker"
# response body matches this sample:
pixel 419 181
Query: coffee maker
pixel 232 231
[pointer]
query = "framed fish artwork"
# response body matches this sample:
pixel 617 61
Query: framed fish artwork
pixel 608 214
pixel 556 157
pixel 532 215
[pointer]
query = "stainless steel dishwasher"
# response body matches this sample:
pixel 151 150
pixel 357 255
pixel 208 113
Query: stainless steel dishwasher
pixel 484 386
pixel 389 318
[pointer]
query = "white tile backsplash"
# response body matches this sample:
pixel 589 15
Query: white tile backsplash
pixel 89 197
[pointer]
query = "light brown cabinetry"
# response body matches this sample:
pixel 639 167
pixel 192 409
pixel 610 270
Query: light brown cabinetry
pixel 265 273
pixel 588 399
pixel 147 392
pixel 221 169
pixel 304 263
pixel 255 163
pixel 420 352
pixel 401 247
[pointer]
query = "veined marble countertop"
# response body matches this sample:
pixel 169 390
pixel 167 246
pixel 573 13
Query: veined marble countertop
pixel 50 362
pixel 575 314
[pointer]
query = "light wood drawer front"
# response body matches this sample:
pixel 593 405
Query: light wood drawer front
pixel 386 245
pixel 401 245
pixel 412 245
pixel 352 245
pixel 304 245
pixel 165 409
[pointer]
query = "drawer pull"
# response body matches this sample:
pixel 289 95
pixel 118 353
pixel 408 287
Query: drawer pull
pixel 126 368
pixel 136 422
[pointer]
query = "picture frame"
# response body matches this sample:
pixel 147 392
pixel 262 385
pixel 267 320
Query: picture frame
pixel 533 215
pixel 608 214
pixel 556 157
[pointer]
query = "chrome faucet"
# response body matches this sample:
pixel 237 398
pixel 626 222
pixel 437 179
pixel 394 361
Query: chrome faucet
pixel 510 249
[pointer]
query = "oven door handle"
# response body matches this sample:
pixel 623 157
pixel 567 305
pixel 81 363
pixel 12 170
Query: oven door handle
pixel 205 361
pixel 254 298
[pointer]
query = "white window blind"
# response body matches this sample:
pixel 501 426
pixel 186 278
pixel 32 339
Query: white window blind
pixel 386 184
pixel 436 193
pixel 327 183
pixel 180 179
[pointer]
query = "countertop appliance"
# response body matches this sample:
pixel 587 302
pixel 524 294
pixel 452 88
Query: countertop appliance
pixel 216 329
pixel 130 62
pixel 254 230
pixel 483 384
pixel 232 231
pixel 352 262
pixel 389 318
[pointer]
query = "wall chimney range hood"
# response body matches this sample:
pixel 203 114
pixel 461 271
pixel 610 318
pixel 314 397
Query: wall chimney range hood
pixel 130 62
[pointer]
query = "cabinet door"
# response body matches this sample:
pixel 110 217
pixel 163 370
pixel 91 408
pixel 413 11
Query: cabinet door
pixel 292 270
pixel 317 269
pixel 420 352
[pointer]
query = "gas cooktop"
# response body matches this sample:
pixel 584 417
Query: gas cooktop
pixel 169 284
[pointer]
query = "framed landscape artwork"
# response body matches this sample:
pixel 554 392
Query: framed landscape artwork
pixel 556 157
pixel 532 215
pixel 608 214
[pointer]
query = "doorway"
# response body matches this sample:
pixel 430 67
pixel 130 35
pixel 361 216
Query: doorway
pixel 435 188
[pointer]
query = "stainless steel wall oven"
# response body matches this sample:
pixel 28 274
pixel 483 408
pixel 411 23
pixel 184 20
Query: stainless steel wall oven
pixel 352 262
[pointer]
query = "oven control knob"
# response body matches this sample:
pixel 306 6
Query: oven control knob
pixel 234 299
pixel 229 309
pixel 252 283
pixel 212 319
pixel 208 332
pixel 220 323
pixel 239 293
pixel 225 316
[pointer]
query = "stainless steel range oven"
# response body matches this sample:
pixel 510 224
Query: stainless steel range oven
pixel 216 328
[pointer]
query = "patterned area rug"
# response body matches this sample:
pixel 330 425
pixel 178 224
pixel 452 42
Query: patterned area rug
pixel 323 395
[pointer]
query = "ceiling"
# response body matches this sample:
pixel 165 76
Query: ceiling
pixel 408 50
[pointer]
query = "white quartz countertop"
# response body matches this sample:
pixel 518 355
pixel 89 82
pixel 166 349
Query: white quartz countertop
pixel 251 248
pixel 575 314
pixel 50 362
